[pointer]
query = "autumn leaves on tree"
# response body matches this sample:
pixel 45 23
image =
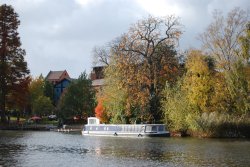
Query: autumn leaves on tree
pixel 140 62
pixel 214 90
pixel 146 81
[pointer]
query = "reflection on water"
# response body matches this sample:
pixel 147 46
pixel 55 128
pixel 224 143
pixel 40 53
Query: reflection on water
pixel 58 149
pixel 61 149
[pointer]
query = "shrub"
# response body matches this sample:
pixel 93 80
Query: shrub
pixel 222 125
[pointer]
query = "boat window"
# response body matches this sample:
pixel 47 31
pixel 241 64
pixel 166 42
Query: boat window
pixel 151 128
pixel 90 128
pixel 154 128
pixel 133 128
pixel 118 128
pixel 136 129
pixel 161 128
pixel 130 128
pixel 148 128
pixel 107 128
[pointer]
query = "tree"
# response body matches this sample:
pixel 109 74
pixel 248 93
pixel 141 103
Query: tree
pixel 227 40
pixel 40 103
pixel 101 55
pixel 114 95
pixel 221 39
pixel 237 86
pixel 79 99
pixel 100 112
pixel 198 81
pixel 245 43
pixel 48 90
pixel 42 106
pixel 144 58
pixel 19 97
pixel 13 68
pixel 176 107
pixel 36 89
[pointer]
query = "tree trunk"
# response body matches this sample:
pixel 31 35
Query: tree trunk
pixel 2 110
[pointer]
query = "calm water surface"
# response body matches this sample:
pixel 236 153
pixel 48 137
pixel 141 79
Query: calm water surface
pixel 59 149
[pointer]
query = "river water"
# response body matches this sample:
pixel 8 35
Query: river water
pixel 42 149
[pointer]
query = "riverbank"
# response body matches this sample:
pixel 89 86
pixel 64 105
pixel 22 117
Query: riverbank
pixel 22 126
pixel 41 127
pixel 211 125
pixel 223 130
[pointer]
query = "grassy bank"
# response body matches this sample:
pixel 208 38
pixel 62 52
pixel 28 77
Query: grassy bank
pixel 222 125
pixel 215 125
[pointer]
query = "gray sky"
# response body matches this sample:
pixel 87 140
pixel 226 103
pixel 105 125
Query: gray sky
pixel 60 34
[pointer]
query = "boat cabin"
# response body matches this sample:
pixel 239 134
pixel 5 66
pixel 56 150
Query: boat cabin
pixel 95 128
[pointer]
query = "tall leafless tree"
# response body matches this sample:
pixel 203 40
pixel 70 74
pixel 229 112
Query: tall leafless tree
pixel 221 38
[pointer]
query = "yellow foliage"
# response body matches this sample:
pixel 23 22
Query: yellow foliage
pixel 198 80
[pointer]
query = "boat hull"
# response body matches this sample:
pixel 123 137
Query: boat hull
pixel 167 134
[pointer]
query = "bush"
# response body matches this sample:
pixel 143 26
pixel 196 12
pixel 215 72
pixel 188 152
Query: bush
pixel 222 125
pixel 176 109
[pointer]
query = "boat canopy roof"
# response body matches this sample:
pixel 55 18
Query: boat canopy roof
pixel 96 121
pixel 93 121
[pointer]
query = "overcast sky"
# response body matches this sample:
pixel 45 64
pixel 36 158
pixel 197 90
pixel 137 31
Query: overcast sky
pixel 60 34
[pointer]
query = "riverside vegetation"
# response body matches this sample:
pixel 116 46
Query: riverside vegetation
pixel 200 92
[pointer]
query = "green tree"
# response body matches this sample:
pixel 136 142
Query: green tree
pixel 114 96
pixel 13 68
pixel 176 107
pixel 40 103
pixel 36 89
pixel 48 89
pixel 184 102
pixel 237 86
pixel 42 106
pixel 79 99
pixel 245 47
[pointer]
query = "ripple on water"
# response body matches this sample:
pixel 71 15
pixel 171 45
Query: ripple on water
pixel 57 149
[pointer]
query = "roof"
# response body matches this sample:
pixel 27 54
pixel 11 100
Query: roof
pixel 55 75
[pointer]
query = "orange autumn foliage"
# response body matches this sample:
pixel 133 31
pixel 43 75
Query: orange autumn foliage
pixel 100 112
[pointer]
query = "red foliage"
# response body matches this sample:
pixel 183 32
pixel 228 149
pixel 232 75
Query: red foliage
pixel 101 113
pixel 99 110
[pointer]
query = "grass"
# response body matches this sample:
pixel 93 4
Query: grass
pixel 222 125
pixel 43 121
pixel 15 118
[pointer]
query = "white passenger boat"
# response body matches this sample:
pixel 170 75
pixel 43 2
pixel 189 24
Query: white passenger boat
pixel 94 128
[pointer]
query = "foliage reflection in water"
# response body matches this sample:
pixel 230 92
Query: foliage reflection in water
pixel 59 149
